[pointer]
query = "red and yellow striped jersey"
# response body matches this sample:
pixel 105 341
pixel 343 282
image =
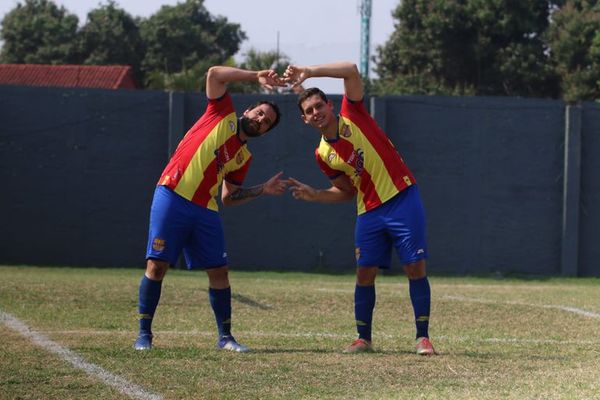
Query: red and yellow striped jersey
pixel 208 153
pixel 365 154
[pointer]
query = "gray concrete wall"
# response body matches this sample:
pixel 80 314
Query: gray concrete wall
pixel 490 172
pixel 77 169
pixel 589 217
pixel 79 166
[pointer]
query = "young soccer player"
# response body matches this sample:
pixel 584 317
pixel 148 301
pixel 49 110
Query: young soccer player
pixel 361 161
pixel 184 213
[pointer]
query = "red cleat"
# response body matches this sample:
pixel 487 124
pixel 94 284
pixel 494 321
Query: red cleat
pixel 424 347
pixel 359 346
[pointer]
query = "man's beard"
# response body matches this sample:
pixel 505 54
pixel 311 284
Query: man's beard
pixel 251 128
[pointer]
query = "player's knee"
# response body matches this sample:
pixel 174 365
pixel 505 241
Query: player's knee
pixel 365 276
pixel 156 269
pixel 415 270
pixel 218 278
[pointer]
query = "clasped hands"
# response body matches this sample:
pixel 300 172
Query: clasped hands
pixel 294 75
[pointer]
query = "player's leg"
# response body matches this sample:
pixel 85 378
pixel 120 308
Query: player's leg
pixel 420 297
pixel 364 304
pixel 372 252
pixel 148 298
pixel 206 249
pixel 219 293
pixel 168 228
pixel 407 226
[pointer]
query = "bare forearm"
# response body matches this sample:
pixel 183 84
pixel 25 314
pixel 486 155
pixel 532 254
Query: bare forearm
pixel 243 195
pixel 332 195
pixel 342 69
pixel 225 74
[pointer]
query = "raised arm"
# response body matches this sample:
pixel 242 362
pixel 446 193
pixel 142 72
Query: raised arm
pixel 218 76
pixel 353 87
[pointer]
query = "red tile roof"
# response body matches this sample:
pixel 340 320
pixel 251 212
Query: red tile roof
pixel 88 76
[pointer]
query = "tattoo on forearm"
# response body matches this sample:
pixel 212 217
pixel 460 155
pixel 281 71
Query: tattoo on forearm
pixel 246 193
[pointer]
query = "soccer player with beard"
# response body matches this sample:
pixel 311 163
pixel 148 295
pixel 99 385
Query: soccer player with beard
pixel 184 214
pixel 361 161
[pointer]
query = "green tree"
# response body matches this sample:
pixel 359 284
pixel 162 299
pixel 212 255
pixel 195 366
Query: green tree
pixel 179 37
pixel 39 32
pixel 574 40
pixel 111 36
pixel 468 47
pixel 187 80
pixel 194 79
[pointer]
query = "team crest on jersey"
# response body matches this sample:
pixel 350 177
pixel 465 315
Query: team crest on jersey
pixel 232 126
pixel 158 244
pixel 330 157
pixel 346 131
pixel 239 159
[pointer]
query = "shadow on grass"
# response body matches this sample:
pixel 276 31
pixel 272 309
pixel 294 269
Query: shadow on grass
pixel 197 351
pixel 247 301
pixel 335 351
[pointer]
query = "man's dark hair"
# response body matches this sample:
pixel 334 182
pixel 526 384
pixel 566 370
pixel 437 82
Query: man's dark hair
pixel 308 93
pixel 275 108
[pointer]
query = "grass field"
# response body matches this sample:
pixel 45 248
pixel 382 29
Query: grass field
pixel 497 338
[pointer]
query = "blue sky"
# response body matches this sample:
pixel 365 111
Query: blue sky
pixel 310 31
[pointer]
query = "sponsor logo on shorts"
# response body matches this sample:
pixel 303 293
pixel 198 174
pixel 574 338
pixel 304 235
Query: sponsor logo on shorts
pixel 158 244
pixel 420 251
pixel 407 180
pixel 331 156
pixel 231 126
pixel 357 253
pixel 224 254
pixel 239 159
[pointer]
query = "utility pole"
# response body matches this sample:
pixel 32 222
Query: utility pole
pixel 365 36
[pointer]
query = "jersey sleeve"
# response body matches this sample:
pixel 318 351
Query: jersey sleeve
pixel 354 109
pixel 219 107
pixel 326 169
pixel 237 177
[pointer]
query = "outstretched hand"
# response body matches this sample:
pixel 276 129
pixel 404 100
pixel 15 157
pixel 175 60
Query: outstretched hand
pixel 269 78
pixel 275 186
pixel 302 191
pixel 295 74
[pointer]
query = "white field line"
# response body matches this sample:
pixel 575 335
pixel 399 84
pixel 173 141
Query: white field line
pixel 570 309
pixel 122 385
pixel 402 281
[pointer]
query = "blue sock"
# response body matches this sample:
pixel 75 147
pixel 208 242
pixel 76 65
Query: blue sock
pixel 364 303
pixel 220 300
pixel 149 295
pixel 420 296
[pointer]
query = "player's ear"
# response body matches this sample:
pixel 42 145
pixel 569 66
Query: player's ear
pixel 304 118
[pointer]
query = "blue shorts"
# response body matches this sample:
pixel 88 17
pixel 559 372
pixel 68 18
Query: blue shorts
pixel 399 222
pixel 177 225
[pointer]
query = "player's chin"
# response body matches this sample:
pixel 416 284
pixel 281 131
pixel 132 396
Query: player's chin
pixel 251 128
